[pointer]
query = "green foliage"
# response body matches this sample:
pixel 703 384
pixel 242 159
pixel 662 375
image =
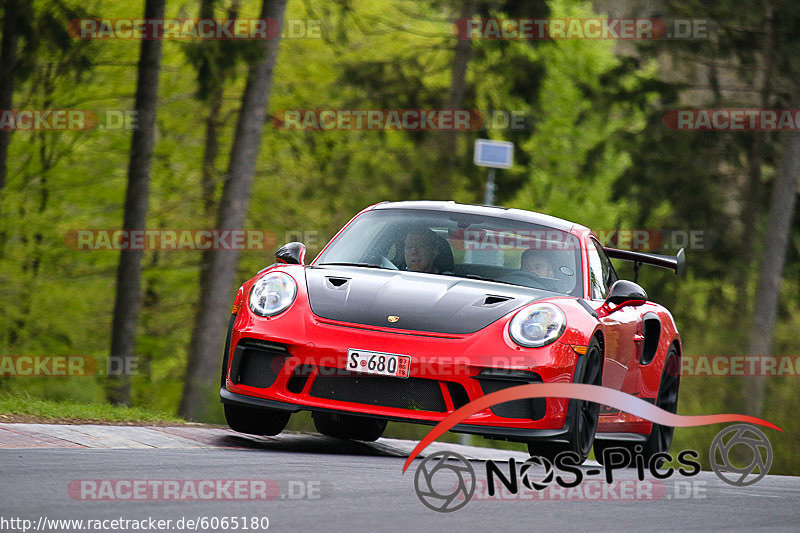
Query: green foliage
pixel 26 405
pixel 594 150
pixel 575 139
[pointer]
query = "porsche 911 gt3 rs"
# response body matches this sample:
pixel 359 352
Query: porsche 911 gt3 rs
pixel 416 308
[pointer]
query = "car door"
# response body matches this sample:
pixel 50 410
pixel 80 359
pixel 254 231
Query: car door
pixel 621 326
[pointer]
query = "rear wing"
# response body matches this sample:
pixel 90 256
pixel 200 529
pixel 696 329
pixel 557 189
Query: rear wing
pixel 675 263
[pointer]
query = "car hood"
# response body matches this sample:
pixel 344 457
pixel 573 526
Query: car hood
pixel 420 302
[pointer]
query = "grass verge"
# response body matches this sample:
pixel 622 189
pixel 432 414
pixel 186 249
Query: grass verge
pixel 22 407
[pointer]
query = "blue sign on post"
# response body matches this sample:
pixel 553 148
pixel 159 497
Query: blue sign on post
pixel 492 154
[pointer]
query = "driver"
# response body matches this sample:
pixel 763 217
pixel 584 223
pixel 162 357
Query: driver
pixel 420 250
pixel 537 263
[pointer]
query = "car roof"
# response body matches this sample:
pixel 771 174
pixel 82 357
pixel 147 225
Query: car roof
pixel 487 210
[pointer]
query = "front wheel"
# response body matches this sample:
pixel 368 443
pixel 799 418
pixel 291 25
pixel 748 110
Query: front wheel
pixel 660 438
pixel 584 426
pixel 255 421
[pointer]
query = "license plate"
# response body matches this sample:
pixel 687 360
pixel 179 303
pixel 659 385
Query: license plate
pixel 382 364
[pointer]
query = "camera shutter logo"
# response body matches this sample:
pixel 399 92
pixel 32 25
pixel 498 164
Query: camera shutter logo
pixel 746 435
pixel 440 465
pixel 541 462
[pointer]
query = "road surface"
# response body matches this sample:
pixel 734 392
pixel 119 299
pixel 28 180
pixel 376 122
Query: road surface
pixel 315 483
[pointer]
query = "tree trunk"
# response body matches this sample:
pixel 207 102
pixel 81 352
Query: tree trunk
pixel 211 149
pixel 217 277
pixel 126 306
pixel 752 189
pixel 211 76
pixel 447 141
pixel 781 210
pixel 211 79
pixel 458 77
pixel 8 63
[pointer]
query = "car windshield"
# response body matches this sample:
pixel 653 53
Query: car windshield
pixel 461 245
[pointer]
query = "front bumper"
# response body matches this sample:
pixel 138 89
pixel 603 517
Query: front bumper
pixel 297 361
pixel 521 434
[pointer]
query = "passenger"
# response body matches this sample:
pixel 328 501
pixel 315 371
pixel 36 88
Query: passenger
pixel 535 262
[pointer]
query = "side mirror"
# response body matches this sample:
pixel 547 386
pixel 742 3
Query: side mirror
pixel 623 293
pixel 293 253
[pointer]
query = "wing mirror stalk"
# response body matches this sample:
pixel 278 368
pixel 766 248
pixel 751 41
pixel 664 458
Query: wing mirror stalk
pixel 622 294
pixel 293 253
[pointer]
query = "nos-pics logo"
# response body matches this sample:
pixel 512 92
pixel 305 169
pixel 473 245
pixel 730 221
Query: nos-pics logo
pixel 445 481
pixel 445 486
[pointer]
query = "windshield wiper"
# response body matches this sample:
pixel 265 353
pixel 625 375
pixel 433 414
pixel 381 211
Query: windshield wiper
pixel 364 265
pixel 475 276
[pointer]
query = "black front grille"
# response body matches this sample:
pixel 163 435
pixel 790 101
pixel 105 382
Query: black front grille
pixel 529 409
pixel 411 393
pixel 297 381
pixel 257 363
pixel 458 394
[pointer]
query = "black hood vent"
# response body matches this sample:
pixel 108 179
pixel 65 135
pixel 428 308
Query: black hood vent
pixel 411 300
pixel 492 299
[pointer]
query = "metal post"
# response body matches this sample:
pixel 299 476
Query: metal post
pixel 488 197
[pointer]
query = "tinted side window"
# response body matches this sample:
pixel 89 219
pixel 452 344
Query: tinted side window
pixel 601 272
pixel 609 274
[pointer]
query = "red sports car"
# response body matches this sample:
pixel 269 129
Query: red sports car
pixel 416 308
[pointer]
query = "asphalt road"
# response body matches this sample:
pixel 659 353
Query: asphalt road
pixel 329 485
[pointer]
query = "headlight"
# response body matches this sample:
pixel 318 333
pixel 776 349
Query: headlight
pixel 272 294
pixel 537 325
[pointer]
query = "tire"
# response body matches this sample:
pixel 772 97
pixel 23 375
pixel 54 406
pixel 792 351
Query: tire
pixel 660 438
pixel 581 436
pixel 349 426
pixel 255 421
